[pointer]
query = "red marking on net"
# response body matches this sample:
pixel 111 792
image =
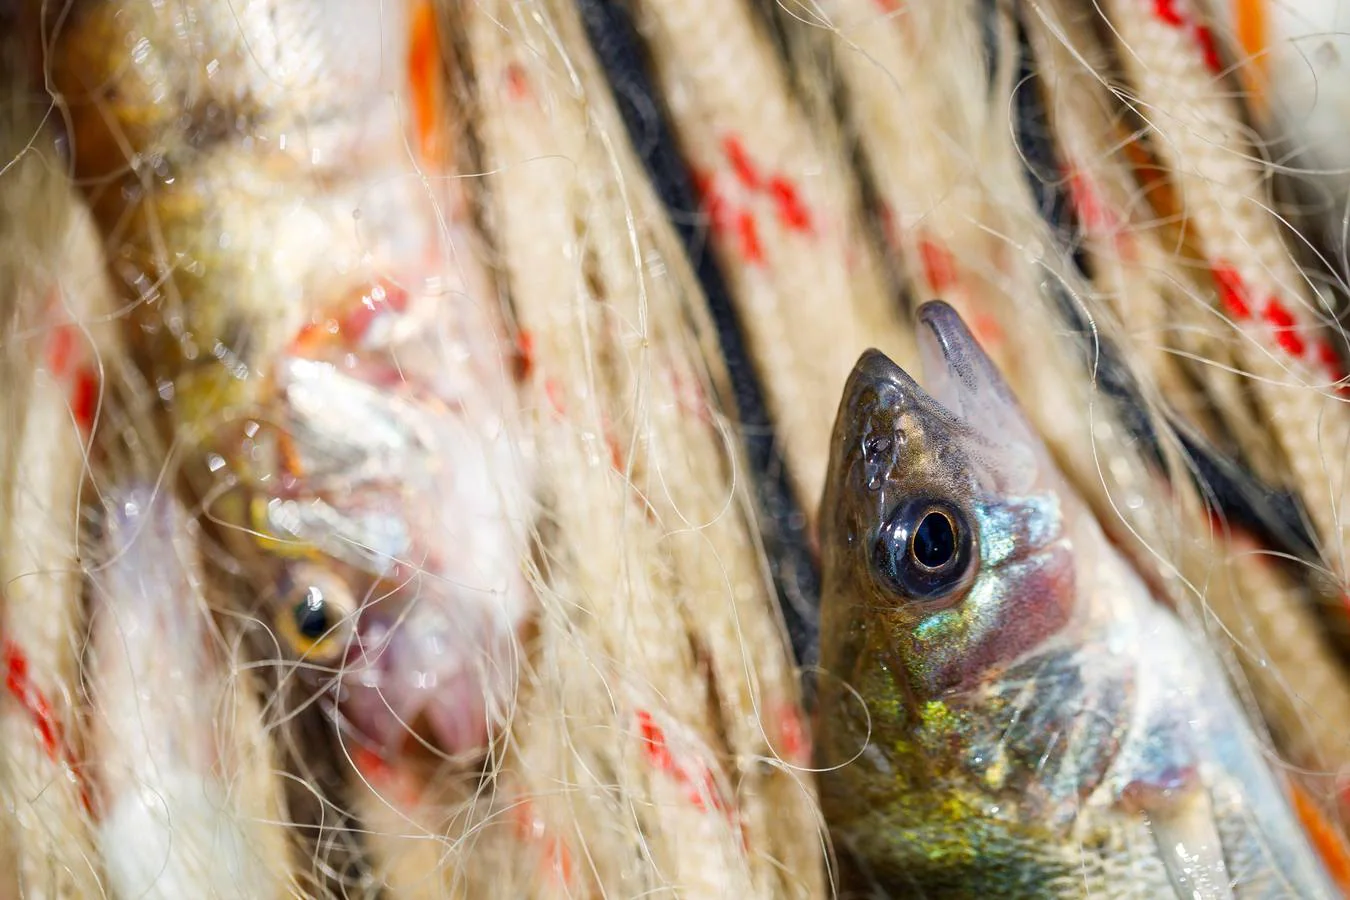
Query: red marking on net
pixel 689 395
pixel 371 764
pixel 60 348
pixel 987 330
pixel 1205 38
pixel 1167 11
pixel 383 299
pixel 791 735
pixel 383 776
pixel 553 390
pixel 21 687
pixel 714 204
pixel 748 232
pixel 659 755
pixel 1095 217
pixel 524 355
pixel 938 266
pixel 1232 291
pixel 517 82
pixel 791 212
pixel 1286 334
pixel 888 6
pixel 84 398
pixel 1233 532
pixel 615 452
pixel 1331 362
pixel 530 827
pixel 741 163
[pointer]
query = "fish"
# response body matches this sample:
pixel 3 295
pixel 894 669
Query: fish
pixel 1003 708
pixel 273 183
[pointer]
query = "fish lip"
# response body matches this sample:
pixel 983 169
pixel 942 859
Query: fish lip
pixel 875 367
pixel 942 318
pixel 943 336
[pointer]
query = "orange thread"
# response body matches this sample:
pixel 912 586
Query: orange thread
pixel 1325 836
pixel 1250 22
pixel 423 68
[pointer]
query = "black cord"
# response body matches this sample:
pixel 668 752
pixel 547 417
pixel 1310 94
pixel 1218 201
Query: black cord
pixel 782 523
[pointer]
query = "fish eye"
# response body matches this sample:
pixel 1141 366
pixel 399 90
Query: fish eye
pixel 316 614
pixel 925 550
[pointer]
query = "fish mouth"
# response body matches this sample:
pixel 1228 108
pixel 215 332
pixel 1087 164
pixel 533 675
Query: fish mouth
pixel 949 356
pixel 444 686
pixel 955 369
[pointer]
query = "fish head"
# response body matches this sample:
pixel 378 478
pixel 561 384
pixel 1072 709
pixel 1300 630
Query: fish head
pixel 395 541
pixel 945 551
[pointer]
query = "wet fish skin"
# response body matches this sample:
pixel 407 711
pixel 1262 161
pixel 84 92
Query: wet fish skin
pixel 1020 718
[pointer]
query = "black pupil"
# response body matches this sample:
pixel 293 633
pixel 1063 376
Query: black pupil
pixel 311 615
pixel 934 541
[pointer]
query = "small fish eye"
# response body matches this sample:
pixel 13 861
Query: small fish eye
pixel 316 613
pixel 924 550
pixel 311 614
